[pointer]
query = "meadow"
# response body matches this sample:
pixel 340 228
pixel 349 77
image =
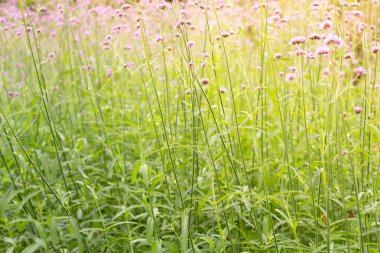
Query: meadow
pixel 189 126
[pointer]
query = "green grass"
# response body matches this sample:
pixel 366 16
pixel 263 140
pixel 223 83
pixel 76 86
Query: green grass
pixel 149 159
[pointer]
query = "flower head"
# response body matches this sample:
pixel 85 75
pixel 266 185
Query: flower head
pixel 360 71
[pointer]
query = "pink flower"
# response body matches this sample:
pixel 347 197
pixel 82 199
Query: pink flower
pixel 326 72
pixel 182 22
pixel 323 50
pixel 190 44
pixel 159 38
pixel 109 72
pixel 315 36
pixel 297 40
pixel 360 71
pixel 125 7
pixel 358 109
pixel 349 56
pixel 311 56
pixel 205 81
pixel 289 77
pixel 162 6
pixel 334 40
pixel 375 49
pixel 277 55
pixel 357 13
pixel 300 52
pixel 225 34
pixel 222 90
pixel 326 24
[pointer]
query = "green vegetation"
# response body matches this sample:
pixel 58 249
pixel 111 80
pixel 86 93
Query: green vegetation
pixel 194 127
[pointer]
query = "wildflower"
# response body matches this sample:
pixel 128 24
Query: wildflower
pixel 202 6
pixel 289 77
pixel 300 52
pixel 361 27
pixel 182 22
pixel 277 55
pixel 297 40
pixel 326 25
pixel 357 13
pixel 333 40
pixel 159 38
pixel 109 72
pixel 311 56
pixel 162 6
pixel 315 36
pixel 326 72
pixel 358 109
pixel 360 71
pixel 375 49
pixel 125 7
pixel 225 34
pixel 323 50
pixel 348 56
pixel 183 13
pixel 190 44
pixel 205 81
pixel 222 90
pixel 292 68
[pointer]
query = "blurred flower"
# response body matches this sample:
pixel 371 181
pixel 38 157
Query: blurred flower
pixel 358 109
pixel 334 40
pixel 297 40
pixel 375 49
pixel 205 81
pixel 222 90
pixel 323 50
pixel 109 72
pixel 360 71
pixel 289 77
